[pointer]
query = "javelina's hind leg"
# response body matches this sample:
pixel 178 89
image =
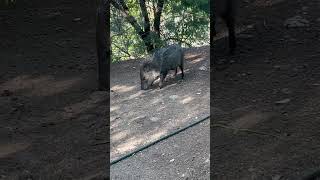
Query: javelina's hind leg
pixel 176 71
pixel 182 74
pixel 162 77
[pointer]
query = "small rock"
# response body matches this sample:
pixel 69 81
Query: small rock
pixel 13 110
pixel 76 19
pixel 59 29
pixel 173 97
pixel 267 61
pixel 203 68
pixel 284 101
pixel 54 15
pixel 251 169
pixel 286 91
pixel 250 26
pixel 277 66
pixel 154 119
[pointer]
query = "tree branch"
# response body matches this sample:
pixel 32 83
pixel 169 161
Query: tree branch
pixel 123 50
pixel 179 40
pixel 124 10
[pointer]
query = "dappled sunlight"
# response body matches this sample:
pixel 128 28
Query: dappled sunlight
pixel 193 57
pixel 197 60
pixel 133 143
pixel 130 144
pixel 139 93
pixel 8 149
pixel 157 135
pixel 156 101
pixel 114 123
pixel 238 31
pixel 39 86
pixel 114 108
pixel 122 88
pixel 119 136
pixel 250 119
pixel 186 100
pixel 76 109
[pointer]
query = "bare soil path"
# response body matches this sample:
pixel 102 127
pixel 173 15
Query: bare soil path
pixel 140 117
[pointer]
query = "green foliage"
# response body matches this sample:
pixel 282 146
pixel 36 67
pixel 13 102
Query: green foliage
pixel 182 21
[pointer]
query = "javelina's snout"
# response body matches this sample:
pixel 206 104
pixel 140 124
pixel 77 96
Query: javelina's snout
pixel 149 72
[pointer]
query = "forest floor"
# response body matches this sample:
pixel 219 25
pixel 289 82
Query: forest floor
pixel 141 117
pixel 266 104
pixel 265 108
pixel 52 117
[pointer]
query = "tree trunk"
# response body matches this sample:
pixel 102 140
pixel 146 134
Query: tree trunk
pixel 144 34
pixel 157 18
pixel 103 43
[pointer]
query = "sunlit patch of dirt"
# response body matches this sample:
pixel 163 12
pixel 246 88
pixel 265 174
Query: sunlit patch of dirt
pixel 122 88
pixel 39 86
pixel 7 149
pixel 250 119
pixel 187 100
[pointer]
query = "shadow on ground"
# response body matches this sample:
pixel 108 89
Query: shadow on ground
pixel 266 108
pixel 52 118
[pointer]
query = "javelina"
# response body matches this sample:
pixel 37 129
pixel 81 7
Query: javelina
pixel 162 61
pixel 226 10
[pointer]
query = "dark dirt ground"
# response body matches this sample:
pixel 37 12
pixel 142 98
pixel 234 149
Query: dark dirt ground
pixel 253 136
pixel 52 118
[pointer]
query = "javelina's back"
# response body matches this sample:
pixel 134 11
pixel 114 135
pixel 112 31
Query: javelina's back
pixel 169 58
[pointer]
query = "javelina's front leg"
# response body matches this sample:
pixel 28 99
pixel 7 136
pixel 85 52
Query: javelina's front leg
pixel 162 77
